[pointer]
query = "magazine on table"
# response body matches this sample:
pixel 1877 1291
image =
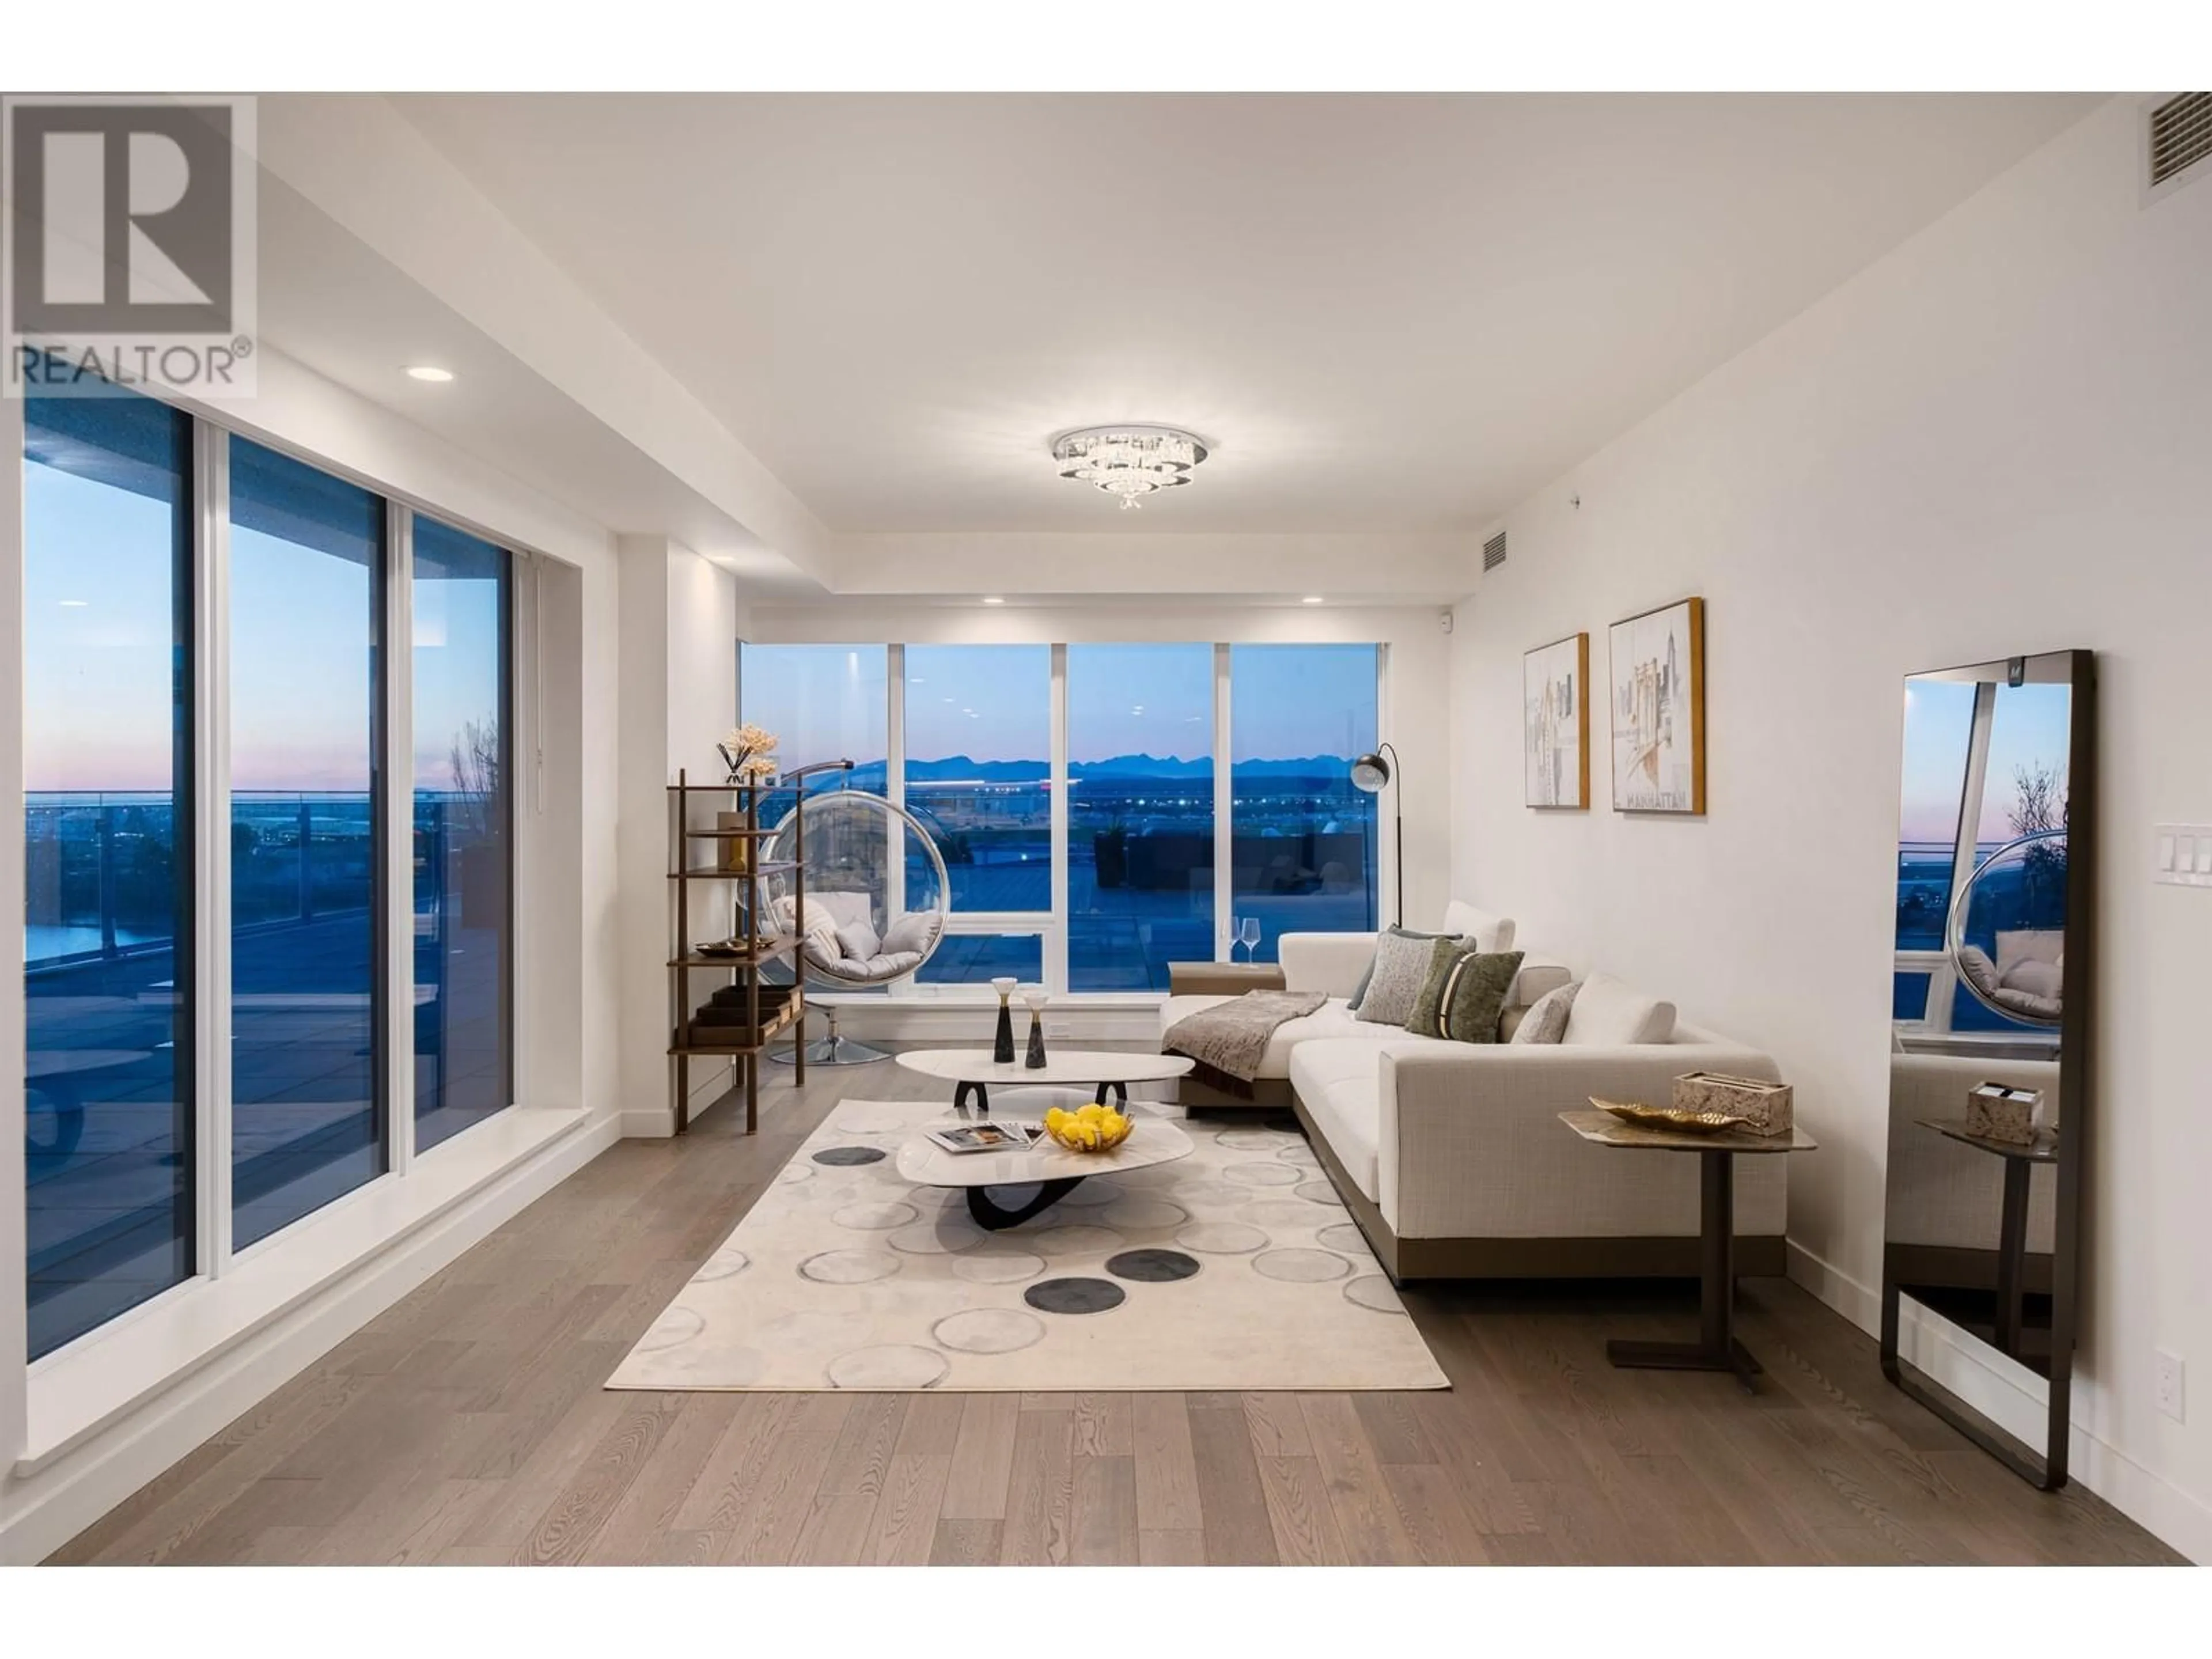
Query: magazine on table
pixel 987 1137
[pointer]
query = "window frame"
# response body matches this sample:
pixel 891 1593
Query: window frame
pixel 205 806
pixel 1053 924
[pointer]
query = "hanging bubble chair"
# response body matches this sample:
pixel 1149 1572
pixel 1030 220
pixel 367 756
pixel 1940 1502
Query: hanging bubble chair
pixel 876 901
pixel 2007 933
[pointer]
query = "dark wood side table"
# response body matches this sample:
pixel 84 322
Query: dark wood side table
pixel 2020 1161
pixel 1716 1348
pixel 1223 979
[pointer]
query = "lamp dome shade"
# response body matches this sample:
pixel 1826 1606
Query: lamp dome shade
pixel 1369 773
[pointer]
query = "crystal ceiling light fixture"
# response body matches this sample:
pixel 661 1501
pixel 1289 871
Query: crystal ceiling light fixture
pixel 1131 462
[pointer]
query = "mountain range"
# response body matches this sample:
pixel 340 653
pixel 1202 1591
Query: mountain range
pixel 870 774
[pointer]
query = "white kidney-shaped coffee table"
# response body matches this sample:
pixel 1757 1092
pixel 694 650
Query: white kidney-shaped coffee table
pixel 972 1071
pixel 1049 1167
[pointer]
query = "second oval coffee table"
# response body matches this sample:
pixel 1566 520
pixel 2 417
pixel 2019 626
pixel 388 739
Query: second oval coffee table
pixel 972 1072
pixel 1049 1167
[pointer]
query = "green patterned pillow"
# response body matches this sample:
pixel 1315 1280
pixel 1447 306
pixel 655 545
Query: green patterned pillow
pixel 1465 989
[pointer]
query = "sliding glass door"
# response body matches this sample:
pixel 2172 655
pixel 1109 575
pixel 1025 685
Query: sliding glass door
pixel 209 933
pixel 464 847
pixel 307 943
pixel 108 770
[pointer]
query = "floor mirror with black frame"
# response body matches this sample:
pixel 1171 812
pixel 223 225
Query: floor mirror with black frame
pixel 1988 1106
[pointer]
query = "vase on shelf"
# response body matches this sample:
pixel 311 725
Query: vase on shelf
pixel 1035 1061
pixel 736 851
pixel 1002 1045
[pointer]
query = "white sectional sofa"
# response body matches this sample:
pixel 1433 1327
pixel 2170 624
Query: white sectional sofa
pixel 1451 1155
pixel 1332 963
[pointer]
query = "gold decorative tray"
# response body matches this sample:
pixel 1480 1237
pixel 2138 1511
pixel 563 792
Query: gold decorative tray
pixel 1668 1118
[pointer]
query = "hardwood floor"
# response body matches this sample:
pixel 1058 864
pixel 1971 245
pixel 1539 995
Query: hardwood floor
pixel 467 1424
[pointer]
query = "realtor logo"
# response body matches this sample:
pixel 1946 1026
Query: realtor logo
pixel 131 252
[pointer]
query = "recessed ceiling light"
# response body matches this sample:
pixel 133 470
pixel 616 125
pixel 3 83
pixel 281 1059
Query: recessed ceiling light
pixel 73 605
pixel 1310 598
pixel 993 599
pixel 429 372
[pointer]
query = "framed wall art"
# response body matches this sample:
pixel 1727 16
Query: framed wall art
pixel 1656 709
pixel 1555 723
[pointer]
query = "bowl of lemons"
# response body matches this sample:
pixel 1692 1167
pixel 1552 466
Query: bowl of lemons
pixel 1089 1128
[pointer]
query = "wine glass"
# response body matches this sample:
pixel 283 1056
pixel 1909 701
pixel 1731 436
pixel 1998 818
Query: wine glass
pixel 1248 930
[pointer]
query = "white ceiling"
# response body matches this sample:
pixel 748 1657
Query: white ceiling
pixel 1388 313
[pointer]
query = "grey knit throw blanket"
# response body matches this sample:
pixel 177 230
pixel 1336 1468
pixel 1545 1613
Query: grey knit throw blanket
pixel 1226 1042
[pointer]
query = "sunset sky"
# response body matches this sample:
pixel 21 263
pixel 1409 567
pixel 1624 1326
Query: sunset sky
pixel 993 702
pixel 97 655
pixel 2029 728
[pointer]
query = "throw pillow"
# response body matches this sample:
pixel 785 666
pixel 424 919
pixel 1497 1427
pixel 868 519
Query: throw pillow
pixel 857 940
pixel 915 932
pixel 1359 991
pixel 1547 1018
pixel 1400 967
pixel 1460 999
pixel 1609 1013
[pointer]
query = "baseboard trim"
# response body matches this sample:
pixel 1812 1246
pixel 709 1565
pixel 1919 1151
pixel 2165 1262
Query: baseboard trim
pixel 41 1513
pixel 960 1025
pixel 2154 1503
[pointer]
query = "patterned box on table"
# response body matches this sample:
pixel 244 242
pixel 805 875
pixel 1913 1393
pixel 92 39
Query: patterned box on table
pixel 1762 1108
pixel 1997 1113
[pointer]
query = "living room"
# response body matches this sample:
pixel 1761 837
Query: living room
pixel 1129 828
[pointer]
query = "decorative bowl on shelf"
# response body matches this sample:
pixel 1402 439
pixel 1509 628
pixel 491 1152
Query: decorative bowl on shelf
pixel 1090 1129
pixel 727 947
pixel 1668 1118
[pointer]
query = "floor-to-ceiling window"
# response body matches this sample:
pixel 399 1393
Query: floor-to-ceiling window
pixel 978 771
pixel 108 1006
pixel 249 741
pixel 1302 855
pixel 463 845
pixel 306 591
pixel 1141 813
pixel 1137 885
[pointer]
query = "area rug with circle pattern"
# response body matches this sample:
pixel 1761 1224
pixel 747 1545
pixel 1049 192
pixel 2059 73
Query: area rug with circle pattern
pixel 1234 1268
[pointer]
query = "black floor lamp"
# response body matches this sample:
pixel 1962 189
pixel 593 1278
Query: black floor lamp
pixel 1369 773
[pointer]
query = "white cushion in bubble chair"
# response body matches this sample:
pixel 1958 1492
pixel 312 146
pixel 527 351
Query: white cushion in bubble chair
pixel 839 937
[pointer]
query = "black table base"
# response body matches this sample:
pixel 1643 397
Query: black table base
pixel 993 1217
pixel 1716 1348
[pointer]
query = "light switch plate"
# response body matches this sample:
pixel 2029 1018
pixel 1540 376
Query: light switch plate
pixel 2181 854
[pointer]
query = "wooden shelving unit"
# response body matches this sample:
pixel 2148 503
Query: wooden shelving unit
pixel 750 1040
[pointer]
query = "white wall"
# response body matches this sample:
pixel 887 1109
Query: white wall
pixel 1996 441
pixel 681 616
pixel 355 1258
pixel 1415 718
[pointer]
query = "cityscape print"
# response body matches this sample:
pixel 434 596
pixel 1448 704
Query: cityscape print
pixel 1555 723
pixel 1657 686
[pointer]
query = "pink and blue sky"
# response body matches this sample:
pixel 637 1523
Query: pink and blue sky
pixel 2029 729
pixel 993 702
pixel 97 657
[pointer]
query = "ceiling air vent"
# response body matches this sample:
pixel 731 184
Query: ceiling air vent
pixel 2180 134
pixel 1493 551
